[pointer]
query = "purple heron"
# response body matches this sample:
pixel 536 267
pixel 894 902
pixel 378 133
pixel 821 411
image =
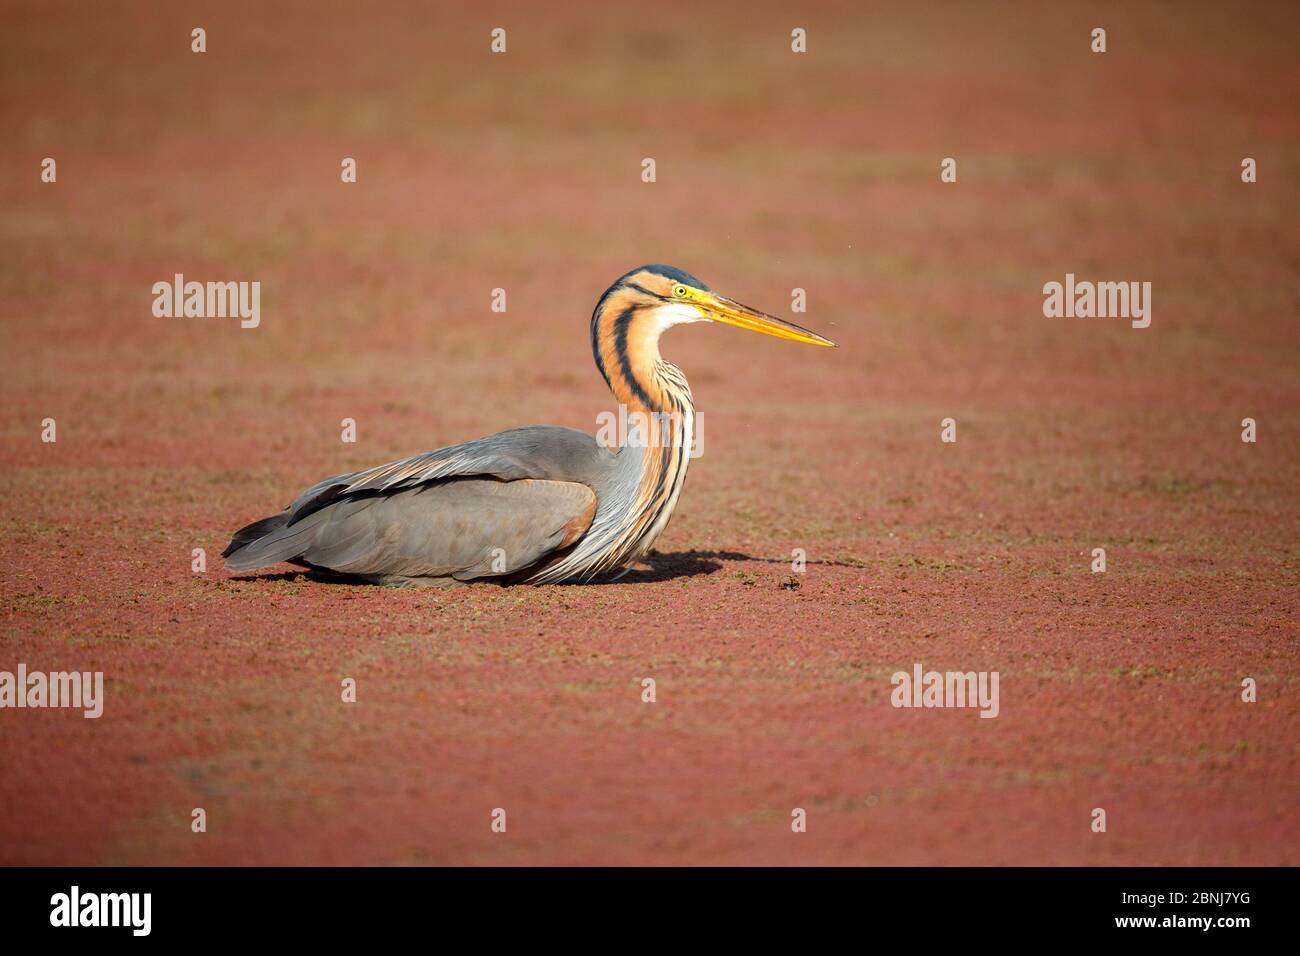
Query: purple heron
pixel 536 505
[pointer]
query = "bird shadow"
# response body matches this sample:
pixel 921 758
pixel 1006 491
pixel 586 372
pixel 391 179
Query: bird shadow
pixel 678 564
pixel 689 564
pixel 655 567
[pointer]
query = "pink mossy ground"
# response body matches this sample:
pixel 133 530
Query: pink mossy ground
pixel 1118 690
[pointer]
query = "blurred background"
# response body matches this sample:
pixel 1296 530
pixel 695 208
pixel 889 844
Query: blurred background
pixel 775 170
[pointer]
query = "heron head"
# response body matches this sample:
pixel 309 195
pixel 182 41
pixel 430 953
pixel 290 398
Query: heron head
pixel 675 297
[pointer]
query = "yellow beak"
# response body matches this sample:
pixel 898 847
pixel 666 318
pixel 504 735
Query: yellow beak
pixel 721 309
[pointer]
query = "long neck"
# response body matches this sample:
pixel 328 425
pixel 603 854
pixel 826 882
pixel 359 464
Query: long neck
pixel 661 420
pixel 657 429
pixel 625 344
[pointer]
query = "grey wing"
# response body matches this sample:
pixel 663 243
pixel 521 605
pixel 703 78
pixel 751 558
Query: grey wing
pixel 464 528
pixel 482 509
pixel 547 452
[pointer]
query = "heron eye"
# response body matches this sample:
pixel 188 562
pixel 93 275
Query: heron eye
pixel 679 290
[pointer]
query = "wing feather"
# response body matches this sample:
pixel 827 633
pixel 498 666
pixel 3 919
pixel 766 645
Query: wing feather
pixel 541 451
pixel 486 508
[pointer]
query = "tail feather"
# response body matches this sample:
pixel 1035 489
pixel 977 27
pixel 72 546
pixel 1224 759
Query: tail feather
pixel 255 545
pixel 274 539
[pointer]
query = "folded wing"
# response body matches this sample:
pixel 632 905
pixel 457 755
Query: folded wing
pixel 483 509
